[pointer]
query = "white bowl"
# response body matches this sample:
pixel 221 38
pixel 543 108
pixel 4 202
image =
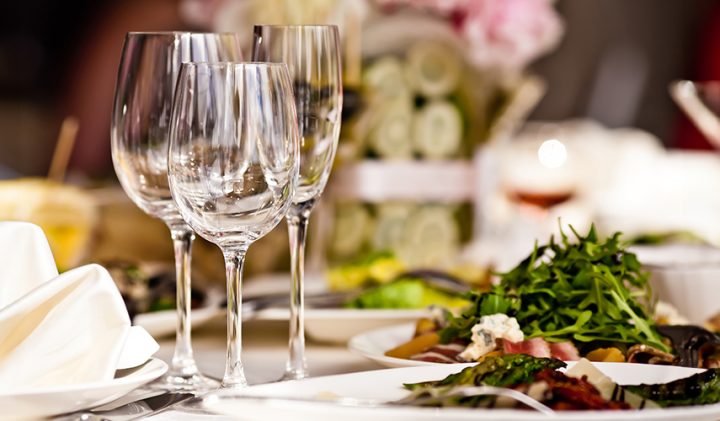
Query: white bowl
pixel 686 276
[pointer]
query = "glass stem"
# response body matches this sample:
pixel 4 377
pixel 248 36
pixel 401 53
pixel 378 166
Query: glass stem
pixel 297 222
pixel 183 363
pixel 234 373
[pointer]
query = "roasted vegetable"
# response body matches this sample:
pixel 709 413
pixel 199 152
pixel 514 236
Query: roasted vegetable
pixel 537 377
pixel 580 388
pixel 695 346
pixel 644 354
pixel 496 371
pixel 608 355
pixel 698 389
pixel 414 346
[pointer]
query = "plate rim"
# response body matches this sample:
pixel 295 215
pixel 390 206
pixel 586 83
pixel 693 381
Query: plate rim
pixel 278 313
pixel 355 345
pixel 151 374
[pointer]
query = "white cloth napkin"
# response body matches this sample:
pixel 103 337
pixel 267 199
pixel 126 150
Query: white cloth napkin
pixel 25 260
pixel 60 330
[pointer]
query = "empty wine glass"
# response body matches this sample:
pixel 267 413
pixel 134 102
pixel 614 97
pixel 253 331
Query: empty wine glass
pixel 701 103
pixel 312 53
pixel 140 125
pixel 233 166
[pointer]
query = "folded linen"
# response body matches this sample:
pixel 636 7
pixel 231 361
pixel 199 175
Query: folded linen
pixel 60 330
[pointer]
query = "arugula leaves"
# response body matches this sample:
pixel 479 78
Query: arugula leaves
pixel 583 291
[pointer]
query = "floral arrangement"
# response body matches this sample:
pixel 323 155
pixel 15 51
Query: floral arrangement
pixel 499 33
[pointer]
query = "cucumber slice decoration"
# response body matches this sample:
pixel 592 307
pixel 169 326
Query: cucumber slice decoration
pixel 433 69
pixel 385 78
pixel 438 130
pixel 391 135
pixel 352 224
pixel 431 238
pixel 390 224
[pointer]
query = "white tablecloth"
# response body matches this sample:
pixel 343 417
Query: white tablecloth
pixel 264 355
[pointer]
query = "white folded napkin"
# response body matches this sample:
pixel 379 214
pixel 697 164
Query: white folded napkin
pixel 60 330
pixel 25 260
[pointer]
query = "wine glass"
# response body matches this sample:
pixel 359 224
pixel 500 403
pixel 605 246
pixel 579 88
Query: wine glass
pixel 312 54
pixel 140 125
pixel 233 166
pixel 701 103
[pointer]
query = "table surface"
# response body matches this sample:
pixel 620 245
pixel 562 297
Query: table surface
pixel 264 355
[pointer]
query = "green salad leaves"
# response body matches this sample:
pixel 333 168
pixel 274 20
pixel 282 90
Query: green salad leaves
pixel 585 291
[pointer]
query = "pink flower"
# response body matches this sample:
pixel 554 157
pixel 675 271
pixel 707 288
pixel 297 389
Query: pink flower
pixel 510 33
pixel 436 6
pixel 500 33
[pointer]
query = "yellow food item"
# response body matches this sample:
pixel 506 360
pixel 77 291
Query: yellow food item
pixel 477 276
pixel 424 325
pixel 496 353
pixel 66 214
pixel 606 355
pixel 415 346
pixel 385 270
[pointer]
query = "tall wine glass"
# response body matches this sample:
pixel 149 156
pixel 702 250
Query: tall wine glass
pixel 701 103
pixel 312 53
pixel 140 125
pixel 233 166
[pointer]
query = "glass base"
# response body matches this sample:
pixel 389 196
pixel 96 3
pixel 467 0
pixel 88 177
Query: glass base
pixel 294 375
pixel 195 383
pixel 197 405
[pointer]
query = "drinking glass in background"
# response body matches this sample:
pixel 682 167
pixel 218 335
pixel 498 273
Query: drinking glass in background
pixel 233 166
pixel 537 172
pixel 139 133
pixel 312 54
pixel 529 183
pixel 701 103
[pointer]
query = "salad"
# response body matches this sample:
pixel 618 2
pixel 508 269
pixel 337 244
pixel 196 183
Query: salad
pixel 568 299
pixel 582 387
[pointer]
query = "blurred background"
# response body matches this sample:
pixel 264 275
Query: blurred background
pixel 539 111
pixel 60 58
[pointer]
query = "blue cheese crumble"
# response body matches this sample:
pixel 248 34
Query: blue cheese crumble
pixel 486 333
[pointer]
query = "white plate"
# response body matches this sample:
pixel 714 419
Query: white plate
pixel 161 324
pixel 339 325
pixel 386 385
pixel 331 325
pixel 374 344
pixel 45 402
pixel 322 325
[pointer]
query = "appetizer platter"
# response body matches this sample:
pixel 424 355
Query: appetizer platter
pixel 568 299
